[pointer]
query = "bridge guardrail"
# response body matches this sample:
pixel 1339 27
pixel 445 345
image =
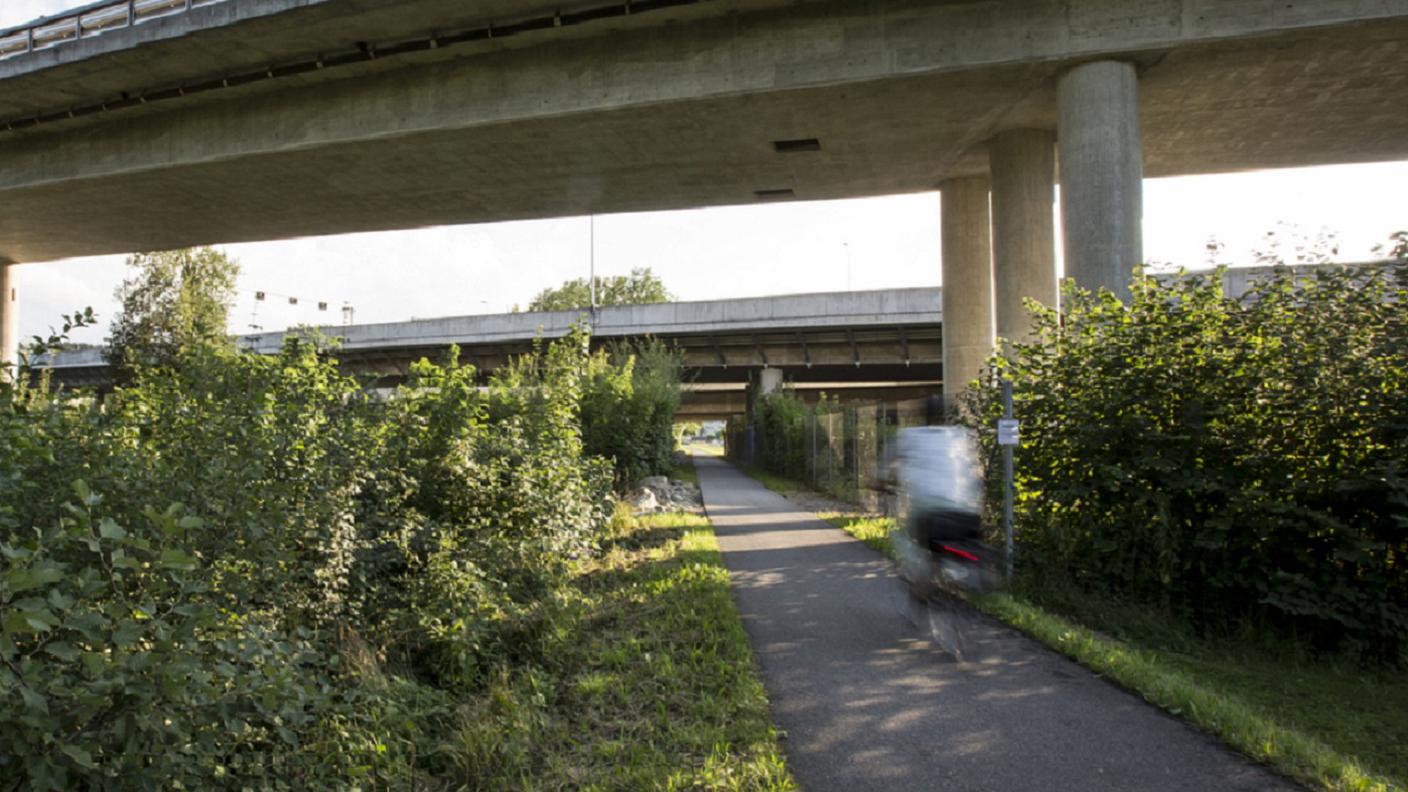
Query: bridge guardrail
pixel 89 21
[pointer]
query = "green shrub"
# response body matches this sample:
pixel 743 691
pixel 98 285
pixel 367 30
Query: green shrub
pixel 1236 462
pixel 247 571
pixel 781 420
pixel 630 395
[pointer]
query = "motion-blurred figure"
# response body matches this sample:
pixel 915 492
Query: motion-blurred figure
pixel 939 536
pixel 941 499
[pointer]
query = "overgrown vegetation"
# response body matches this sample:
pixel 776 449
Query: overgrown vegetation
pixel 787 438
pixel 649 683
pixel 780 419
pixel 246 571
pixel 1238 465
pixel 631 393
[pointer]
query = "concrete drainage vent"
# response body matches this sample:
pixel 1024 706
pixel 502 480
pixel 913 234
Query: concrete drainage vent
pixel 775 195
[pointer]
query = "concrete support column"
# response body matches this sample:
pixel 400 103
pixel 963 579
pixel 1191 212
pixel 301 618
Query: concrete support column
pixel 1023 229
pixel 9 317
pixel 1102 171
pixel 967 283
pixel 769 381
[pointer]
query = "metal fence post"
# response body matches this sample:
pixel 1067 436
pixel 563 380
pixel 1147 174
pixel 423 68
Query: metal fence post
pixel 811 458
pixel 1007 479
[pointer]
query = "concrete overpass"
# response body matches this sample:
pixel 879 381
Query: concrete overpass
pixel 874 345
pixel 234 120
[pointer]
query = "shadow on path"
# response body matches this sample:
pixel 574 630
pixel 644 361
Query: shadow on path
pixel 868 702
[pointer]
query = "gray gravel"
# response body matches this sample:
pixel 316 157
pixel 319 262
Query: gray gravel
pixel 867 701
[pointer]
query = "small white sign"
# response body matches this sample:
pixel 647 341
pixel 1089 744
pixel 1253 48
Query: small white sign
pixel 1007 432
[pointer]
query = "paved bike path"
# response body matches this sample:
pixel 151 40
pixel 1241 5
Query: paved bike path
pixel 867 702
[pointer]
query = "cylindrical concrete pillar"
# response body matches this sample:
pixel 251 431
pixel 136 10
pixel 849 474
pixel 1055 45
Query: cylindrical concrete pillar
pixel 9 318
pixel 1023 230
pixel 967 283
pixel 1102 171
pixel 769 381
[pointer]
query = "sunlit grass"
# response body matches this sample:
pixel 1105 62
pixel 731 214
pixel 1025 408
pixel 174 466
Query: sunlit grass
pixel 704 449
pixel 651 683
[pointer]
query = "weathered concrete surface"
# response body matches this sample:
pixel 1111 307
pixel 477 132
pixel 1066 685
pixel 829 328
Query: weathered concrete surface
pixel 705 401
pixel 867 703
pixel 658 110
pixel 9 315
pixel 968 282
pixel 1102 179
pixel 892 333
pixel 769 380
pixel 1023 226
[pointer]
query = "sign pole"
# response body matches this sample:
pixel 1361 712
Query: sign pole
pixel 1007 472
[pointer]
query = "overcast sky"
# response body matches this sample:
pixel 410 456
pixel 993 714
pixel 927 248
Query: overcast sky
pixel 702 254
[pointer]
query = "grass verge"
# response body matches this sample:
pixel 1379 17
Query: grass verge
pixel 1334 727
pixel 650 682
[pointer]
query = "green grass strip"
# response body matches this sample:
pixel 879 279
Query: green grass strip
pixel 649 682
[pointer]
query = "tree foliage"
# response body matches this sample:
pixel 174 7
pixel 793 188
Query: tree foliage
pixel 1234 462
pixel 173 301
pixel 641 287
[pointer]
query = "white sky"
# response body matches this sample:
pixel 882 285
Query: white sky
pixel 703 254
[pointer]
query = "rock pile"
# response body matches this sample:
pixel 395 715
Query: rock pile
pixel 656 494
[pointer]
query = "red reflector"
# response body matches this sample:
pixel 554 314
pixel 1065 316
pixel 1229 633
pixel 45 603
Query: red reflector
pixel 966 556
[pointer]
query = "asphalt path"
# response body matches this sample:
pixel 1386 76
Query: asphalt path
pixel 866 700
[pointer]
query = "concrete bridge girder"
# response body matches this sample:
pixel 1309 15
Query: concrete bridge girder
pixel 626 115
pixel 691 107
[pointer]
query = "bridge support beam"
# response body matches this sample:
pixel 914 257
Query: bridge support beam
pixel 1102 174
pixel 967 283
pixel 9 318
pixel 769 381
pixel 1023 165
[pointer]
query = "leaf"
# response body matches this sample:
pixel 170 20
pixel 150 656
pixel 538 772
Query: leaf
pixel 79 755
pixel 33 700
pixel 18 580
pixel 111 530
pixel 177 559
pixel 62 650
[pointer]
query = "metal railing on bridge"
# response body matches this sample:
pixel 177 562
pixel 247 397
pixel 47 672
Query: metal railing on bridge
pixel 88 21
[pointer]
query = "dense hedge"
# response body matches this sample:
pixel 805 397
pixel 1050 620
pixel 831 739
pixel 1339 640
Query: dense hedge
pixel 247 571
pixel 1235 462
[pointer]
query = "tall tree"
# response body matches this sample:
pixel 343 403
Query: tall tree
pixel 173 300
pixel 641 287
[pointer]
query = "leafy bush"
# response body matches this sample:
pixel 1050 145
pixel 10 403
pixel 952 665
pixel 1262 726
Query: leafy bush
pixel 631 393
pixel 248 571
pixel 1235 462
pixel 781 418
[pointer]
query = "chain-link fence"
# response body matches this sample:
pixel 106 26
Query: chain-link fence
pixel 844 451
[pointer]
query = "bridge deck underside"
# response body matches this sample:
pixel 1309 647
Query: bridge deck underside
pixel 583 125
